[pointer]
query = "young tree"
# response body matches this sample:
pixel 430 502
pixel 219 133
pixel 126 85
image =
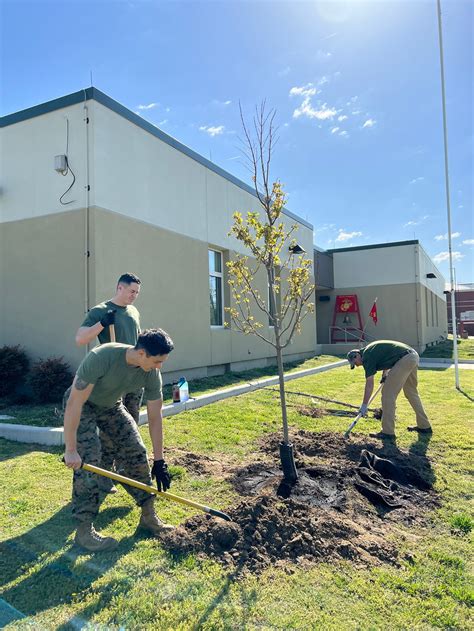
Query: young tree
pixel 273 249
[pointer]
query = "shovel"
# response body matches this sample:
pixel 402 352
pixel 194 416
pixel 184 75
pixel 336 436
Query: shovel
pixel 153 491
pixel 354 422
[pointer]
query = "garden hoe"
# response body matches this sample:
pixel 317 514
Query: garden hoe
pixel 354 422
pixel 153 491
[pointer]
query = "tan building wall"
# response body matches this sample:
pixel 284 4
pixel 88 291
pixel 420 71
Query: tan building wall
pixel 42 284
pixel 396 308
pixel 175 293
pixel 411 307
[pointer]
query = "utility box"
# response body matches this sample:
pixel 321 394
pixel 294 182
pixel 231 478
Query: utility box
pixel 60 163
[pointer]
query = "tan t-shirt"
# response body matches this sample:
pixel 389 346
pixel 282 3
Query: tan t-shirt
pixel 106 367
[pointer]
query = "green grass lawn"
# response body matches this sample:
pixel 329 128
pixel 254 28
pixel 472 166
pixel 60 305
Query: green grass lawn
pixel 48 415
pixel 47 585
pixel 446 349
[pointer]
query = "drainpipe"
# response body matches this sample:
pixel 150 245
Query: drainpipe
pixel 86 212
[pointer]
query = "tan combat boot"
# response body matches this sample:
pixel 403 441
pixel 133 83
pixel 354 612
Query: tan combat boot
pixel 89 539
pixel 149 520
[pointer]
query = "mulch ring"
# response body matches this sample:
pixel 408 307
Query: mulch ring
pixel 330 514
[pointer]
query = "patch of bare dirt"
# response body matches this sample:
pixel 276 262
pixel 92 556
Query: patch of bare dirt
pixel 333 512
pixel 197 464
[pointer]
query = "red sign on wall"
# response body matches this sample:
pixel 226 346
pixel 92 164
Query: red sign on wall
pixel 346 304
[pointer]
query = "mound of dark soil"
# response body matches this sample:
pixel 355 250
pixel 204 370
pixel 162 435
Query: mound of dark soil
pixel 340 508
pixel 266 531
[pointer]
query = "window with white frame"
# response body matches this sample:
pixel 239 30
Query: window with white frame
pixel 215 288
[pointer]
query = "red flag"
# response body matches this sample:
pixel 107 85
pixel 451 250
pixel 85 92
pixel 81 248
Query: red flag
pixel 373 312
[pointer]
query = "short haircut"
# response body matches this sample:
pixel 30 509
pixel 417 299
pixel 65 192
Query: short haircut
pixel 128 279
pixel 154 342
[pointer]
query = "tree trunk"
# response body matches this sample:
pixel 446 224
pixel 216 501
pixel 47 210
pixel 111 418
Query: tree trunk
pixel 287 457
pixel 281 380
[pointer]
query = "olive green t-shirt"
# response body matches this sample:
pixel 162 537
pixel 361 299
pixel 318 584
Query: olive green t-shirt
pixel 382 355
pixel 127 322
pixel 106 367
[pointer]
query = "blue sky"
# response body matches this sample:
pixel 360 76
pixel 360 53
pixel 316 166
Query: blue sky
pixel 355 84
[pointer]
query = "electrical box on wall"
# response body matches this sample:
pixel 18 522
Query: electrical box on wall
pixel 60 163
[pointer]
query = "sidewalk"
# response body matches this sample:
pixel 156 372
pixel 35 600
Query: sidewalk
pixel 54 435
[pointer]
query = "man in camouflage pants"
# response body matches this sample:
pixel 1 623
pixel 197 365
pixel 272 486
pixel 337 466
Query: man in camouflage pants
pixel 125 317
pixel 95 402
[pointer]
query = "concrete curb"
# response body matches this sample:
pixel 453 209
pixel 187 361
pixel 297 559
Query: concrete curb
pixel 54 435
pixel 443 360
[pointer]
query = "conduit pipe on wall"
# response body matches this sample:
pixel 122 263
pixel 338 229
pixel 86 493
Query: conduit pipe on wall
pixel 86 212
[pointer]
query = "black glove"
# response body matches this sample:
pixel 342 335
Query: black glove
pixel 162 475
pixel 384 379
pixel 108 318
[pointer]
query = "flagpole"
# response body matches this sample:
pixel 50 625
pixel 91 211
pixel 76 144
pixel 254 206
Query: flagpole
pixel 363 329
pixel 448 203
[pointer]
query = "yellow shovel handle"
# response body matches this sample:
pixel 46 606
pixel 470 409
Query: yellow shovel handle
pixel 151 489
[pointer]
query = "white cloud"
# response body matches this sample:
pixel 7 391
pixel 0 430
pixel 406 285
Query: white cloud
pixel 417 179
pixel 444 237
pixel 150 106
pixel 284 71
pixel 342 118
pixel 323 113
pixel 444 256
pixel 415 222
pixel 323 55
pixel 163 122
pixel 334 130
pixel 344 134
pixel 307 90
pixel 212 131
pixel 370 122
pixel 345 236
pixel 468 242
pixel 323 80
pixel 217 102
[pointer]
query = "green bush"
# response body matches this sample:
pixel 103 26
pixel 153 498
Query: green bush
pixel 14 365
pixel 50 378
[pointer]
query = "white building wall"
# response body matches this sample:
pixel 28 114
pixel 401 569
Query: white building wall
pixel 131 172
pixel 142 177
pixel 374 266
pixel 426 266
pixel 30 187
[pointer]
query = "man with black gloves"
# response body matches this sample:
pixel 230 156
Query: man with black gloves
pixel 399 364
pixel 120 312
pixel 95 402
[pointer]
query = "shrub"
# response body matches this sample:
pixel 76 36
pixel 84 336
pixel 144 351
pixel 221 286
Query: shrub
pixel 50 378
pixel 14 365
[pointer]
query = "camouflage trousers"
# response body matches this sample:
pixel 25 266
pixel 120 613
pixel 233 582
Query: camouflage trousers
pixel 131 402
pixel 119 433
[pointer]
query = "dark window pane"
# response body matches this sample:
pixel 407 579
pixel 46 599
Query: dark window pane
pixel 215 296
